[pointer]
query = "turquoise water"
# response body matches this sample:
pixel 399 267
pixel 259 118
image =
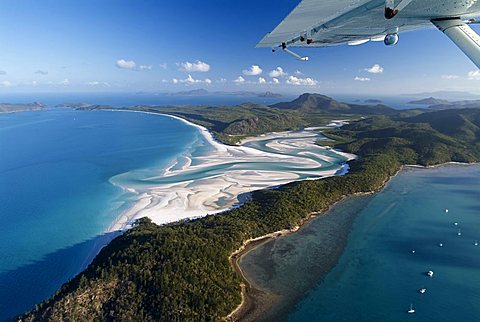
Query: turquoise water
pixel 378 276
pixel 56 201
pixel 64 177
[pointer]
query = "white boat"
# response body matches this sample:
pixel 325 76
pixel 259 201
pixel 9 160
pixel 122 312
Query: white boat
pixel 459 233
pixel 446 210
pixel 422 290
pixel 413 251
pixel 412 310
pixel 430 273
pixel 455 223
pixel 475 243
pixel 440 245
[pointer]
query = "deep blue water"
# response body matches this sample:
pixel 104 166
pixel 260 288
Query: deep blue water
pixel 56 201
pixel 378 276
pixel 130 99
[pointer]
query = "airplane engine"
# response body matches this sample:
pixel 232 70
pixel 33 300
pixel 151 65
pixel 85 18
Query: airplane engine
pixel 391 39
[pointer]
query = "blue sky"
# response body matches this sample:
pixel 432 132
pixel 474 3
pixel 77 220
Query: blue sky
pixel 166 46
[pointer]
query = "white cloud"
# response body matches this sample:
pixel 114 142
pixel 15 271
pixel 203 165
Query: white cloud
pixel 255 70
pixel 197 66
pixel 5 84
pixel 449 77
pixel 275 81
pixel 277 72
pixel 97 83
pixel 474 75
pixel 190 81
pixel 375 69
pixel 132 65
pixel 240 80
pixel 361 79
pixel 126 64
pixel 163 66
pixel 297 72
pixel 262 80
pixel 222 80
pixel 293 80
pixel 41 72
pixel 145 67
pixel 65 82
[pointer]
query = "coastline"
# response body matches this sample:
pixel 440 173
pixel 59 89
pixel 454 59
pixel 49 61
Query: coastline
pixel 196 198
pixel 246 310
pixel 257 302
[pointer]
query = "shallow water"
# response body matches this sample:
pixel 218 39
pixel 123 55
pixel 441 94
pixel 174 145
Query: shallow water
pixel 56 201
pixel 378 276
pixel 66 176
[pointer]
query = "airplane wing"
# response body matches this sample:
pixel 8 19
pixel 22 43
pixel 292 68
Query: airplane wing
pixel 322 23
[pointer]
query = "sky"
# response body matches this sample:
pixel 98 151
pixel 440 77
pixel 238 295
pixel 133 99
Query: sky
pixel 170 46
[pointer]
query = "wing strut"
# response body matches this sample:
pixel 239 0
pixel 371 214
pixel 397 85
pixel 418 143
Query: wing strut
pixel 288 51
pixel 463 36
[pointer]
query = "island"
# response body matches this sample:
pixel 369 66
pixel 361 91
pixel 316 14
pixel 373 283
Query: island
pixel 373 101
pixel 185 271
pixel 13 108
pixel 430 101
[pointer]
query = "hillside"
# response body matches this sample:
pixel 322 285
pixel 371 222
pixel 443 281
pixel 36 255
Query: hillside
pixel 316 103
pixel 456 105
pixel 181 271
pixel 426 139
pixel 230 124
pixel 430 101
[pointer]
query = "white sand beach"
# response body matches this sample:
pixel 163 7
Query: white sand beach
pixel 245 169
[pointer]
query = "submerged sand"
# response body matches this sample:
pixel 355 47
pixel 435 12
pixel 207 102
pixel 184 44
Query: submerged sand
pixel 183 197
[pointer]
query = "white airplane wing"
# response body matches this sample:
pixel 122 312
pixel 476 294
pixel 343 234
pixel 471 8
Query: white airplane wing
pixel 322 23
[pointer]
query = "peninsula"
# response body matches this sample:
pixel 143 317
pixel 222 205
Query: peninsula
pixel 181 271
pixel 12 108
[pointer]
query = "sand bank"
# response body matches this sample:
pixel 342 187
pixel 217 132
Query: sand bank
pixel 213 182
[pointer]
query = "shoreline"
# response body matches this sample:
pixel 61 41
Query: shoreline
pixel 195 198
pixel 252 304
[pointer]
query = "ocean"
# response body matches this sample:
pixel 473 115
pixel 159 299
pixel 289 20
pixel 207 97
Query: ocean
pixel 67 176
pixel 398 235
pixel 56 200
pixel 63 175
pixel 131 99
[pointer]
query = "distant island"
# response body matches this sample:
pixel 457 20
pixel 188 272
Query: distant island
pixel 447 95
pixel 204 92
pixel 373 101
pixel 12 108
pixel 83 106
pixel 183 271
pixel 429 101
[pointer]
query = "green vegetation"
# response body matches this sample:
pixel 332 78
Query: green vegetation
pixel 230 124
pixel 426 139
pixel 181 271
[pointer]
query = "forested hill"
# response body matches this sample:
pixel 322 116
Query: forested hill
pixel 427 139
pixel 230 124
pixel 317 103
pixel 181 271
